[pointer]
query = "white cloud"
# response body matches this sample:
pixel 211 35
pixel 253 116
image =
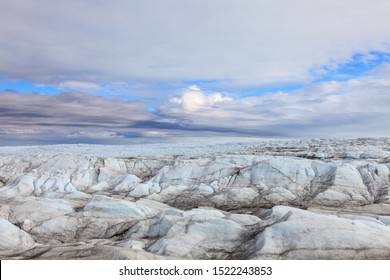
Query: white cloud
pixel 193 99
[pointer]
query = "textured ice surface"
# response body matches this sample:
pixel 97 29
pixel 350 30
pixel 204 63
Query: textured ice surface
pixel 247 199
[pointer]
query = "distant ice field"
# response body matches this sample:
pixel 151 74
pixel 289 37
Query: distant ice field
pixel 360 148
pixel 192 148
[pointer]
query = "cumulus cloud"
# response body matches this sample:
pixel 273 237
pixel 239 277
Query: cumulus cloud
pixel 235 43
pixel 193 99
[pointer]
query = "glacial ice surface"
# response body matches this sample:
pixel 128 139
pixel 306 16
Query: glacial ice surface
pixel 246 199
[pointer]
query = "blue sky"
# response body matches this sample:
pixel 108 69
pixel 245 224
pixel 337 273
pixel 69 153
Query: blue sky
pixel 27 87
pixel 360 64
pixel 145 71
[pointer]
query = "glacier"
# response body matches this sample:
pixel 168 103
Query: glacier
pixel 238 199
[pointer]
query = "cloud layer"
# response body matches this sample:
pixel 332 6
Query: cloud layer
pixel 354 108
pixel 233 43
pixel 357 107
pixel 158 70
pixel 68 117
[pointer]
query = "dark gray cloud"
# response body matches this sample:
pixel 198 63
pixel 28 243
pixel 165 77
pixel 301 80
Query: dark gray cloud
pixel 67 117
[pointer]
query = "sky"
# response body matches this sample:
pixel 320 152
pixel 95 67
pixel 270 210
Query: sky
pixel 127 71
